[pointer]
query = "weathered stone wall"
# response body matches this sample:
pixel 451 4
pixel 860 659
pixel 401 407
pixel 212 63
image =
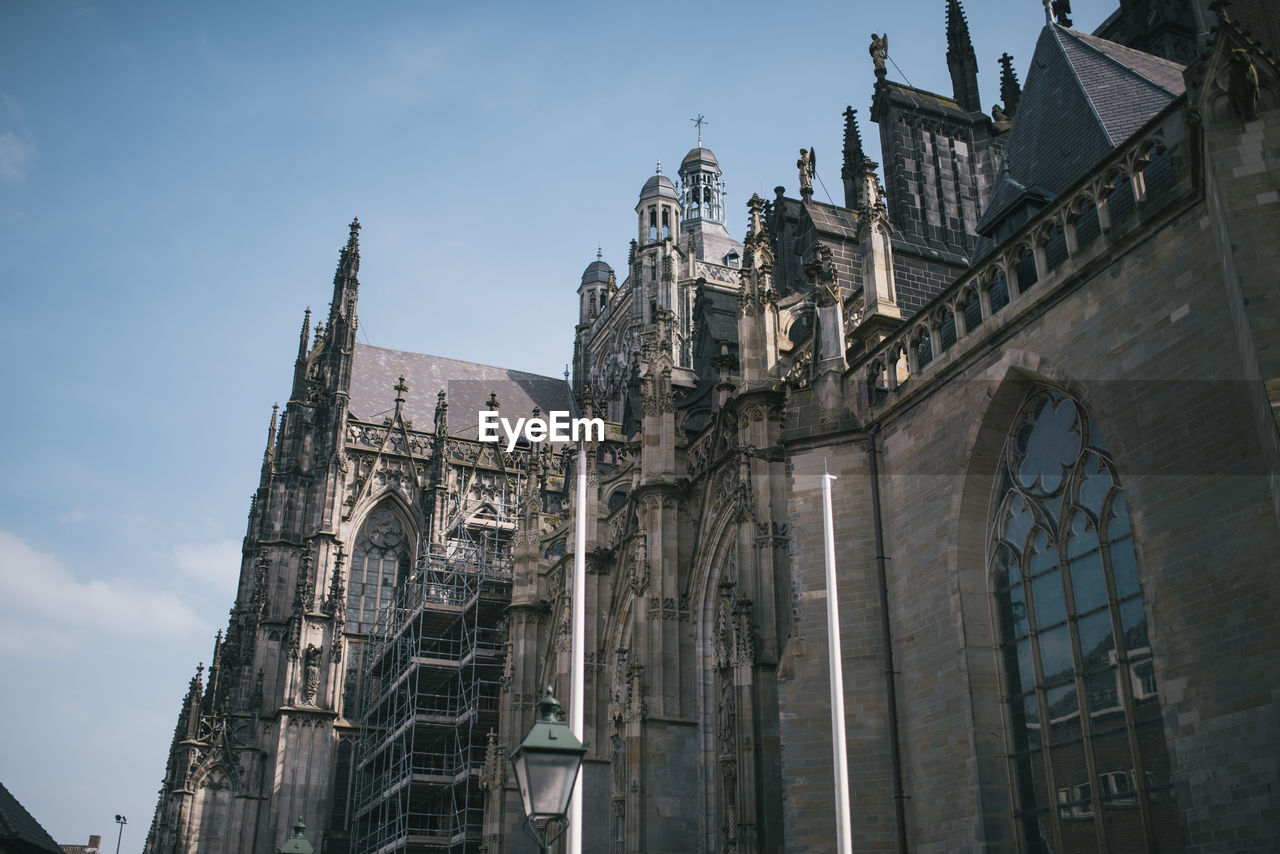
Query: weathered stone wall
pixel 1152 343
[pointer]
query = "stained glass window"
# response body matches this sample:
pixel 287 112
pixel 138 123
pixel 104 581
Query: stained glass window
pixel 1088 761
pixel 380 558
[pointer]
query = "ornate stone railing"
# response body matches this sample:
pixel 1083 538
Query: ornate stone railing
pixel 369 437
pixel 1141 179
pixel 717 272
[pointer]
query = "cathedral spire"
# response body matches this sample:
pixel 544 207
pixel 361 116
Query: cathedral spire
pixel 961 60
pixel 345 283
pixel 1010 91
pixel 268 455
pixel 306 331
pixel 189 719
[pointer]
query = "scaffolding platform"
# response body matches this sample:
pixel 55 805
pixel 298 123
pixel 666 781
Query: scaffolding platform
pixel 429 698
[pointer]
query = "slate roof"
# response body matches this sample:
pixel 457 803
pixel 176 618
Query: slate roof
pixel 1083 97
pixel 17 826
pixel 658 185
pixel 376 370
pixel 713 241
pixel 698 155
pixel 838 228
pixel 829 219
pixel 597 271
pixel 717 313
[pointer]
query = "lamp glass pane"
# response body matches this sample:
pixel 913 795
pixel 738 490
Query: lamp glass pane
pixel 550 781
pixel 522 780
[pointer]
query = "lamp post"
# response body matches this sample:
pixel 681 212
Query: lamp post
pixel 122 821
pixel 546 765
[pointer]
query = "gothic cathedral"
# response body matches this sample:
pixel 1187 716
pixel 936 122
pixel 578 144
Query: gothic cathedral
pixel 1038 350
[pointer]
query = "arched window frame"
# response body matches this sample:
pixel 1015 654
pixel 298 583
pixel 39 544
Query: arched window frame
pixel 1064 572
pixel 391 551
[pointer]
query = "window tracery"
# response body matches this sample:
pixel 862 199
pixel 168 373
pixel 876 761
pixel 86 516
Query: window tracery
pixel 380 558
pixel 1088 760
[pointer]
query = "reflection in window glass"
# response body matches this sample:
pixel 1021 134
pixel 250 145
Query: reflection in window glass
pixel 1088 757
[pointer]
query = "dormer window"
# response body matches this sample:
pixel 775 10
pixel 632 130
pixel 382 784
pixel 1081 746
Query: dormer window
pixel 733 260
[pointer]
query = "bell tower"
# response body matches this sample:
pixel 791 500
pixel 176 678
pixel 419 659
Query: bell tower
pixel 701 187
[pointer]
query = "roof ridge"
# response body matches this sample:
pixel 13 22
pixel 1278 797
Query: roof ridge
pixel 1089 40
pixel 1075 72
pixel 460 361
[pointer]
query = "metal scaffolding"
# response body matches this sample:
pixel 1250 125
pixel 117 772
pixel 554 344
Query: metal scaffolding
pixel 430 696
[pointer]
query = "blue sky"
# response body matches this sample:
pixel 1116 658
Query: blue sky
pixel 175 182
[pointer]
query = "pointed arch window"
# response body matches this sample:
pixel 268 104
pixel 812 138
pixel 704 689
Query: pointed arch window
pixel 1088 761
pixel 378 562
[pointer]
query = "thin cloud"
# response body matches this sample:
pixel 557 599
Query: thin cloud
pixel 37 589
pixel 15 155
pixel 217 564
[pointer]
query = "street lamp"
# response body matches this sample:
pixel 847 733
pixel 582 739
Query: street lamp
pixel 546 765
pixel 122 821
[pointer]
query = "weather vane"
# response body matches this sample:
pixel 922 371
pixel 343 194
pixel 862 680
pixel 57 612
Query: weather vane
pixel 699 122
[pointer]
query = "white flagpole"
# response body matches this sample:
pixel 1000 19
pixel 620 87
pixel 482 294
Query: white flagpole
pixel 577 680
pixel 844 841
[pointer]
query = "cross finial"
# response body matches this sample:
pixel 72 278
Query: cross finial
pixel 400 388
pixel 698 123
pixel 493 401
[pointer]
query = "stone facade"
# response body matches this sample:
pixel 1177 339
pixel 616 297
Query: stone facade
pixel 1049 394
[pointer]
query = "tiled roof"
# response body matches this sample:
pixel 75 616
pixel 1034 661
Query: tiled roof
pixel 17 825
pixel 376 370
pixel 718 311
pixel 831 220
pixel 1126 87
pixel 1083 97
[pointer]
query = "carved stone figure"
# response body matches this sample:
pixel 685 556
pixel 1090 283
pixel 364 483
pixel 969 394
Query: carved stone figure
pixel 728 714
pixel 879 52
pixel 310 674
pixel 1242 85
pixel 806 166
pixel 1062 12
pixel 618 765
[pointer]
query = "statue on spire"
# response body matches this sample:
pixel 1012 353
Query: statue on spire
pixel 879 52
pixel 807 164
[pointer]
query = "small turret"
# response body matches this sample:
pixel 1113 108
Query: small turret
pixel 658 209
pixel 701 187
pixel 593 292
